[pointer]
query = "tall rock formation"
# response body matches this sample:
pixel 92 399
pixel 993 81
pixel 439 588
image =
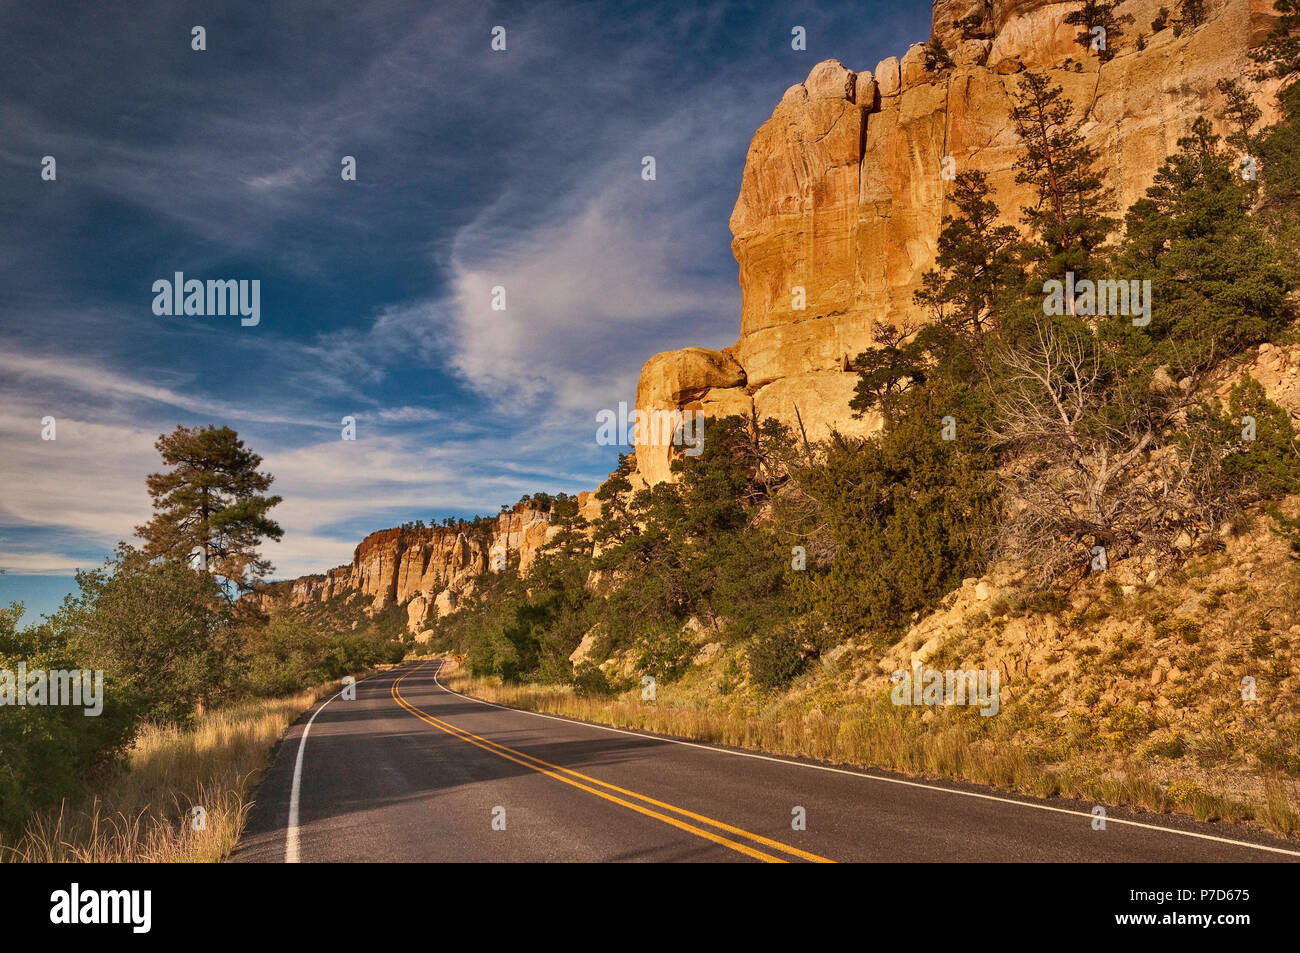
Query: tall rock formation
pixel 427 569
pixel 843 193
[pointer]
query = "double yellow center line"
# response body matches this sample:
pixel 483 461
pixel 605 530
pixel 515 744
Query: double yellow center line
pixel 650 807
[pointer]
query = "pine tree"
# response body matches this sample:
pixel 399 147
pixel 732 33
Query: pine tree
pixel 977 281
pixel 1100 15
pixel 977 263
pixel 1241 114
pixel 1068 221
pixel 211 503
pixel 1218 280
pixel 1191 13
pixel 897 363
pixel 936 57
pixel 616 524
pixel 1279 169
pixel 976 26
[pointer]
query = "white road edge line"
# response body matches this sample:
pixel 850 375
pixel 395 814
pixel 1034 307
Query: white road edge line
pixel 870 777
pixel 291 855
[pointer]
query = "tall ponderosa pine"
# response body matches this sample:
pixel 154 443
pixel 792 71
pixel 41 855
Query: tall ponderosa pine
pixel 1191 14
pixel 1218 282
pixel 1241 113
pixel 1279 169
pixel 688 547
pixel 977 280
pixel 1099 13
pixel 977 263
pixel 1068 221
pixel 615 524
pixel 211 501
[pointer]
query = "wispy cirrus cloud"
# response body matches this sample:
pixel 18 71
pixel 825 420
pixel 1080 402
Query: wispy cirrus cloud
pixel 68 381
pixel 605 280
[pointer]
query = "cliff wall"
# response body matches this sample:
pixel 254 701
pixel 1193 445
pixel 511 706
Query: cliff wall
pixel 844 188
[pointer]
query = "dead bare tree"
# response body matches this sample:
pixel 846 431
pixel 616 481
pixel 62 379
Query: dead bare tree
pixel 1094 461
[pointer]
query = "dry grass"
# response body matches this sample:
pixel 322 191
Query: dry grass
pixel 1278 813
pixel 945 745
pixel 143 814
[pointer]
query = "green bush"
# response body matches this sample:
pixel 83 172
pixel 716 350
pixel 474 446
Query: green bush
pixel 293 651
pixel 1174 746
pixel 589 681
pixel 48 752
pixel 1187 630
pixel 663 654
pixel 774 659
pixel 905 516
pixel 158 629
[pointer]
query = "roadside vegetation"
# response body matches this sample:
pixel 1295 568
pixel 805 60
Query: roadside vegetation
pixel 197 685
pixel 144 811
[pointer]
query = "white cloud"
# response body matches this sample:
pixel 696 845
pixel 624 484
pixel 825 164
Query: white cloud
pixel 574 294
pixel 410 415
pixel 86 488
pixel 591 289
pixel 90 478
pixel 42 564
pixel 301 554
pixel 97 384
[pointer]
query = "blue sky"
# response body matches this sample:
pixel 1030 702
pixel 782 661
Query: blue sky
pixel 474 169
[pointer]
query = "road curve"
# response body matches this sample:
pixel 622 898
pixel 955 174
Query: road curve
pixel 409 771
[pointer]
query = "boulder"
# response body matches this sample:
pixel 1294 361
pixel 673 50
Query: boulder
pixel 417 610
pixel 676 381
pixel 866 94
pixel 972 52
pixel 888 78
pixel 445 603
pixel 585 646
pixel 830 79
pixel 912 69
pixel 674 378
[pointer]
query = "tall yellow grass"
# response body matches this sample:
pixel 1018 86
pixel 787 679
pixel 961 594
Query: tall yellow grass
pixel 143 814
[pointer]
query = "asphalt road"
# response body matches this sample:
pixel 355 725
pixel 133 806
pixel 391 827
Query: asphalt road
pixel 410 771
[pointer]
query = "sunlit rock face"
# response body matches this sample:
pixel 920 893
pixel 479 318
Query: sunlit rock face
pixel 843 194
pixel 426 569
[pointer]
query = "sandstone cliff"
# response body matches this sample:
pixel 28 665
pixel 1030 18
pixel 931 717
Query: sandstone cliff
pixel 427 569
pixel 843 192
pixel 840 207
